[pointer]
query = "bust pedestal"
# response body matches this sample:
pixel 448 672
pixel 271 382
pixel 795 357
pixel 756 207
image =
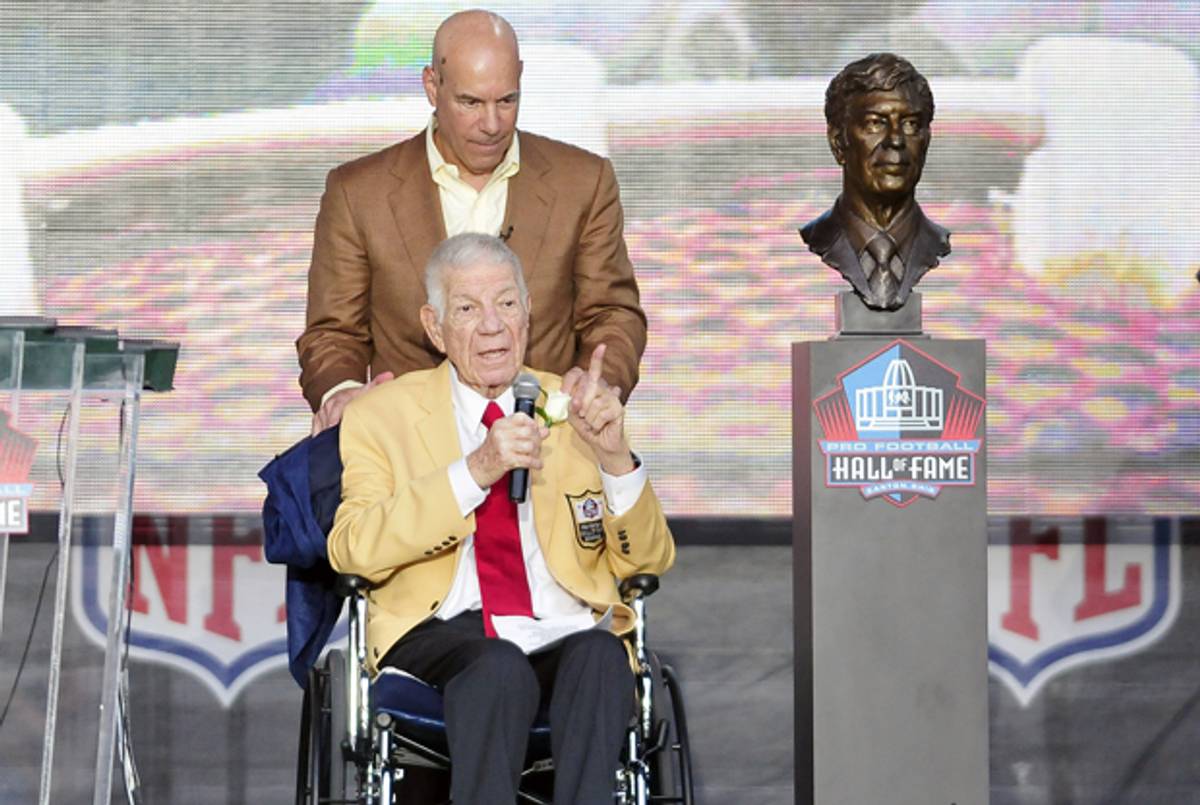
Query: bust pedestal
pixel 853 317
pixel 890 563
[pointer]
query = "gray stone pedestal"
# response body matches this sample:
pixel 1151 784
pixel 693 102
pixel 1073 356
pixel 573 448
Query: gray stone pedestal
pixel 890 575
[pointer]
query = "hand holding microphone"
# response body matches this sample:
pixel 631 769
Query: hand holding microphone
pixel 513 444
pixel 525 391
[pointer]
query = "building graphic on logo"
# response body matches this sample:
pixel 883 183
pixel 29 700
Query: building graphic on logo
pixel 898 403
pixel 900 426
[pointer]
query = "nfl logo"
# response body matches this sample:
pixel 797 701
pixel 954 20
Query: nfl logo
pixel 1071 593
pixel 204 603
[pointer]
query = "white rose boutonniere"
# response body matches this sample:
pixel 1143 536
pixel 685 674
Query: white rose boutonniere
pixel 558 406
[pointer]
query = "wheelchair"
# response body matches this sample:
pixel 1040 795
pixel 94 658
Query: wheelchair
pixel 360 735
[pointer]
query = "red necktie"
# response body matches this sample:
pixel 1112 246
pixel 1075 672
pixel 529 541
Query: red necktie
pixel 499 562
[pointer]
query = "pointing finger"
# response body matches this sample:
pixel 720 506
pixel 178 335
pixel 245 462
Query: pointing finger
pixel 596 367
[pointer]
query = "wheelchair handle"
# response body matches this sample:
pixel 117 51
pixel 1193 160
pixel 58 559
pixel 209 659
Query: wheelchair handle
pixel 640 586
pixel 348 585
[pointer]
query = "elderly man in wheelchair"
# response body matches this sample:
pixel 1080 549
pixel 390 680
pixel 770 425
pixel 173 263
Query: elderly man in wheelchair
pixel 488 513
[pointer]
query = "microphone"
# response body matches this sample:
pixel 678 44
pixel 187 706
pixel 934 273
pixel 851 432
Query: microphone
pixel 526 390
pixel 504 236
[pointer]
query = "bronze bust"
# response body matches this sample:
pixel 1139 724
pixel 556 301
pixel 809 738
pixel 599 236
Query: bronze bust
pixel 877 113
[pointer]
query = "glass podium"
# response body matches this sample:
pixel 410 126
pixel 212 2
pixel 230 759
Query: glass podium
pixel 38 356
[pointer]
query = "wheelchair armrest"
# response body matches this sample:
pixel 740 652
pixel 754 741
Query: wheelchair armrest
pixel 348 585
pixel 640 586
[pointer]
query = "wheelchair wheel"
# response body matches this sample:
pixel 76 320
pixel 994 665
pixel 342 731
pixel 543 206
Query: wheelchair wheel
pixel 325 773
pixel 671 771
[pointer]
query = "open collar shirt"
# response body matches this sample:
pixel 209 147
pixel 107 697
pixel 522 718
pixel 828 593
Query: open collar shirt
pixel 465 209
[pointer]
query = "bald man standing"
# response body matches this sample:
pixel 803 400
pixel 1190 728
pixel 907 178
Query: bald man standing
pixel 470 170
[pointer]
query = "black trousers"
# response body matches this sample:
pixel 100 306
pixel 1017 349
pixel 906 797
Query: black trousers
pixel 492 692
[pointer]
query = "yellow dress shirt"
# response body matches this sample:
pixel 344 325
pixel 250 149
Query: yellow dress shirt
pixel 464 208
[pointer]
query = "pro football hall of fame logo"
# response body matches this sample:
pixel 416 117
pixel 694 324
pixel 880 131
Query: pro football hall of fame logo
pixel 900 426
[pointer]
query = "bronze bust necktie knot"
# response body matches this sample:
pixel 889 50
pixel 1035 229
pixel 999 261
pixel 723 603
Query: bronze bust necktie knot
pixel 883 269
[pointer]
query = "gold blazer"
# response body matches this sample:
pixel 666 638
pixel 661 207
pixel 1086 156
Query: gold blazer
pixel 399 524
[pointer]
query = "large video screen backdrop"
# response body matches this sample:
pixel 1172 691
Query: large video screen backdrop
pixel 161 166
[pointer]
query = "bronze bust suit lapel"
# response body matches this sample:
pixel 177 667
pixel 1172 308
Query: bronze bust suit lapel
pixel 930 242
pixel 826 237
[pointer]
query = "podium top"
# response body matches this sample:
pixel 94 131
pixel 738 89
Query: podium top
pixel 45 351
pixel 27 323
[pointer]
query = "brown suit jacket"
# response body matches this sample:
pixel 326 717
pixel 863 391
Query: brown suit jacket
pixel 381 218
pixel 400 526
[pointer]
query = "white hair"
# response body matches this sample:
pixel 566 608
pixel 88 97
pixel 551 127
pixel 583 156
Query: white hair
pixel 464 251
